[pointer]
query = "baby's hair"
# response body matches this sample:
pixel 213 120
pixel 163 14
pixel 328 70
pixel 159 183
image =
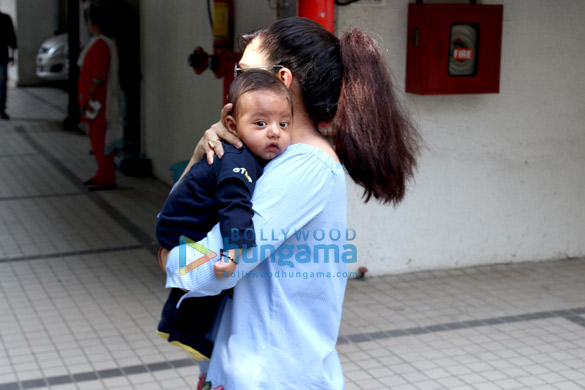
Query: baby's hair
pixel 255 80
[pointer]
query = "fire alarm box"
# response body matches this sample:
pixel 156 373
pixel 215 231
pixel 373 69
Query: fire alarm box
pixel 453 48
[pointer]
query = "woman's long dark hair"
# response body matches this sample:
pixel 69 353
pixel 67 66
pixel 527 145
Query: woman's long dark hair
pixel 103 19
pixel 348 82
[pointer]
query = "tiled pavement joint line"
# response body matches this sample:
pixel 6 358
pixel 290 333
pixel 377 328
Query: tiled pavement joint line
pixel 572 315
pixel 97 375
pixel 151 248
pixel 69 175
pixel 42 99
pixel 17 155
pixel 128 225
pixel 136 232
pixel 576 319
pixel 43 196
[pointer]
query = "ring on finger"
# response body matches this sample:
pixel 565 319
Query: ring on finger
pixel 212 143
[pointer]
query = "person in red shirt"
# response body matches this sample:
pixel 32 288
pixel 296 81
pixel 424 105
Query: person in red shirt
pixel 98 91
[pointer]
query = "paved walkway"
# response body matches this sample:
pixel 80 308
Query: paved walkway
pixel 81 292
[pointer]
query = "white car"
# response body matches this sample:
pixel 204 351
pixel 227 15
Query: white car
pixel 52 58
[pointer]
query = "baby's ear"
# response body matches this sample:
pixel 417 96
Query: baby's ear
pixel 231 125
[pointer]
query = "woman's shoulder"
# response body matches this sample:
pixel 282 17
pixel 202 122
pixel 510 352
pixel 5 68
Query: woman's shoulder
pixel 323 144
pixel 305 157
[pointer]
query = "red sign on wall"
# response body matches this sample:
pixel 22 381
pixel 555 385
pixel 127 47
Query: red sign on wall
pixel 463 54
pixel 453 48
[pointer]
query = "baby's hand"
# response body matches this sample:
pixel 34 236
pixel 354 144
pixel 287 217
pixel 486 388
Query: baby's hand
pixel 222 269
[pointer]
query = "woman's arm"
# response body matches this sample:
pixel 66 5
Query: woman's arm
pixel 293 190
pixel 215 132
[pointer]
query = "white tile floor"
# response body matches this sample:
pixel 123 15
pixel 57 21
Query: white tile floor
pixel 80 291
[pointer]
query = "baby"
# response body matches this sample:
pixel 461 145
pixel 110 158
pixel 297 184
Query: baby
pixel 207 194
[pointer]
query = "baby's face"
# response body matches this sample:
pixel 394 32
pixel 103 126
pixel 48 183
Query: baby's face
pixel 263 123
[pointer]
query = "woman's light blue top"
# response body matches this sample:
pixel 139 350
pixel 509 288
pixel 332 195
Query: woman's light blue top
pixel 280 329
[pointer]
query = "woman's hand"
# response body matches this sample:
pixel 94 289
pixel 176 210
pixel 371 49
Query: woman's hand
pixel 216 132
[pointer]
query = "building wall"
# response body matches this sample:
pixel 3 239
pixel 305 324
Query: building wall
pixel 178 105
pixel 501 177
pixel 35 22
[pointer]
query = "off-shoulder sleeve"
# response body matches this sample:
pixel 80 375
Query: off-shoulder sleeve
pixel 293 189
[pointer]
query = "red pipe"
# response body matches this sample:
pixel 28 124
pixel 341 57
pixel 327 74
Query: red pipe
pixel 321 11
pixel 223 59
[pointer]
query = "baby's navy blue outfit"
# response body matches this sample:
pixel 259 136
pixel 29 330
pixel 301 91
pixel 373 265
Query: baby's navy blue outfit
pixel 206 195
